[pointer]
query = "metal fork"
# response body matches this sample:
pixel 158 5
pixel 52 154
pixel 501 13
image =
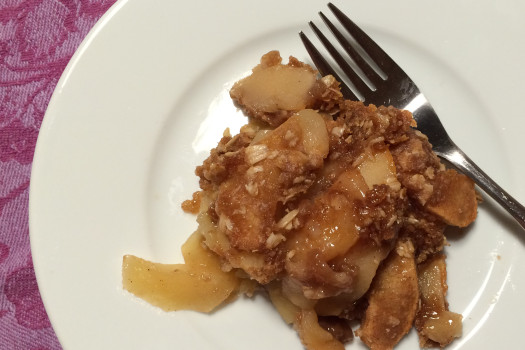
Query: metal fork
pixel 398 90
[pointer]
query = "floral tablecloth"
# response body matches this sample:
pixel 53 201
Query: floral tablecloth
pixel 37 39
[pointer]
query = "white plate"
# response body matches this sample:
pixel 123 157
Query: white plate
pixel 145 98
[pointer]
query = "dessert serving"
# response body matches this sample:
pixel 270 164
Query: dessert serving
pixel 335 209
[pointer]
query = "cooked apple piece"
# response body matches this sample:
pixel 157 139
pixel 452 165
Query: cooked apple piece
pixel 339 327
pixel 198 285
pixel 435 324
pixel 443 328
pixel 312 335
pixel 453 199
pixel 314 133
pixel 288 310
pixel 364 257
pixel 340 305
pixel 274 91
pixel 393 300
pixel 274 88
pixel 378 168
pixel 332 227
pixel 330 231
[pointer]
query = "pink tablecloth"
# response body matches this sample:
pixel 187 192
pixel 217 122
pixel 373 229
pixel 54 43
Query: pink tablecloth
pixel 37 39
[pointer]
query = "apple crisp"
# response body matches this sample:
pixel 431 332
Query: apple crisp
pixel 335 209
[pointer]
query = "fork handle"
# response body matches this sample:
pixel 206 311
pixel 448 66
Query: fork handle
pixel 459 159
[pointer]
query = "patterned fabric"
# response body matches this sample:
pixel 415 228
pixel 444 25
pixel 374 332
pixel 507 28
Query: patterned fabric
pixel 37 39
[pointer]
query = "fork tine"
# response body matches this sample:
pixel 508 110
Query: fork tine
pixel 324 67
pixel 343 64
pixel 352 52
pixel 377 54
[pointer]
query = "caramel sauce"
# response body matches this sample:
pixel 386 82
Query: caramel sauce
pixel 192 205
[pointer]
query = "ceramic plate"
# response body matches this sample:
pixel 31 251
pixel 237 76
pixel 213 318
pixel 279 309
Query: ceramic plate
pixel 146 97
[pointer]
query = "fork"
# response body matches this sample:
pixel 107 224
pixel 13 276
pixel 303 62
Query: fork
pixel 400 91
